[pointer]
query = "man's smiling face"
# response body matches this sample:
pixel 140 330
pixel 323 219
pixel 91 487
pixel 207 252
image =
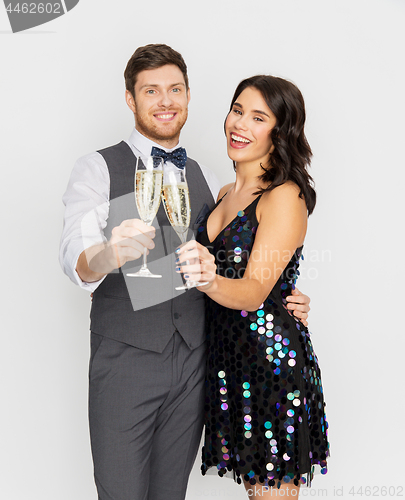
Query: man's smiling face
pixel 160 104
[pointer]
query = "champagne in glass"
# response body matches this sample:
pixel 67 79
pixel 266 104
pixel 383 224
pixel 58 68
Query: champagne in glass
pixel 177 205
pixel 176 201
pixel 148 187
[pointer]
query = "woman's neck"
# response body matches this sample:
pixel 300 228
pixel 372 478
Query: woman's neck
pixel 248 178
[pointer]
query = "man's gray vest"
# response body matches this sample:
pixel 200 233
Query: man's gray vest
pixel 145 312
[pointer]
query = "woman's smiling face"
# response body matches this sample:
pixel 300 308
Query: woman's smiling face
pixel 248 127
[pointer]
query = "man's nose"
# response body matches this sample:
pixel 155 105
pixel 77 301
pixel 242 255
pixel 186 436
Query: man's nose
pixel 165 99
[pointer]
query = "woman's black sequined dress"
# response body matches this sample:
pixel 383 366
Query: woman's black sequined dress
pixel 264 408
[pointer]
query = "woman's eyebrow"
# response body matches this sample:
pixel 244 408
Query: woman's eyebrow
pixel 238 105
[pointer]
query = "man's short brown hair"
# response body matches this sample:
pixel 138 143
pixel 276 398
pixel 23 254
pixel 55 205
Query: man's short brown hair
pixel 152 56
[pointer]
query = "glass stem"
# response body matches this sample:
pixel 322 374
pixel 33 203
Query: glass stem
pixel 144 266
pixel 183 239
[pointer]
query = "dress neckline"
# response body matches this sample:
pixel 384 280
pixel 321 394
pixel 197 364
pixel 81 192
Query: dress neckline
pixel 230 222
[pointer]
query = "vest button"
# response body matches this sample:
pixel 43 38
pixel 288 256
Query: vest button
pixel 176 315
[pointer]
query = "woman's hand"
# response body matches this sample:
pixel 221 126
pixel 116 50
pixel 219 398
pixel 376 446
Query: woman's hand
pixel 196 263
pixel 298 304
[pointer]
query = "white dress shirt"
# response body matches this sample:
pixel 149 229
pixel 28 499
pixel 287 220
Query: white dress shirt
pixel 87 203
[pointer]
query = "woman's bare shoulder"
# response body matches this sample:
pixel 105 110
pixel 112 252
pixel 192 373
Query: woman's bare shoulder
pixel 289 191
pixel 285 198
pixel 224 190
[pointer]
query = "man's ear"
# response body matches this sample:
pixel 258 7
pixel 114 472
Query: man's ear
pixel 130 101
pixel 188 96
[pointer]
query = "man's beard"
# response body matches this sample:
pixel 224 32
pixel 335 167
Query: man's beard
pixel 156 132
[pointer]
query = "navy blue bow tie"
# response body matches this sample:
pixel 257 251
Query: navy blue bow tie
pixel 178 156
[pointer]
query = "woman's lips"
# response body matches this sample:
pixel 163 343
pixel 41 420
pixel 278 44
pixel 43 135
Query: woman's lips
pixel 238 141
pixel 165 117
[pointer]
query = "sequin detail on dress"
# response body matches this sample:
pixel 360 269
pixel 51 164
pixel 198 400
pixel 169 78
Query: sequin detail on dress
pixel 264 407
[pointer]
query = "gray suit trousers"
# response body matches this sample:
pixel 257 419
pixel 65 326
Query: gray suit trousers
pixel 146 418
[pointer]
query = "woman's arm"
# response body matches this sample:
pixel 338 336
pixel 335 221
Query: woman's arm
pixel 283 219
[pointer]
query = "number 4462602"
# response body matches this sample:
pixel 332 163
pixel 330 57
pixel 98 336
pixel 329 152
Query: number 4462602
pixel 34 8
pixel 377 491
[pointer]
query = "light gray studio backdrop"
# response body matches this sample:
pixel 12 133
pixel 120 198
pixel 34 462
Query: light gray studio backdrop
pixel 62 96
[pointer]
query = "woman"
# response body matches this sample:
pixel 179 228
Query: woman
pixel 265 418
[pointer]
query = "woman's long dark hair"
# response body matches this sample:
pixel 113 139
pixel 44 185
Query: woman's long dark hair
pixel 292 154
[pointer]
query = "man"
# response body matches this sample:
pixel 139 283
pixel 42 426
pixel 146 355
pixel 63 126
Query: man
pixel 147 360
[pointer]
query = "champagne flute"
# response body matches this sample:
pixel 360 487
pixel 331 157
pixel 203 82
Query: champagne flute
pixel 148 186
pixel 176 200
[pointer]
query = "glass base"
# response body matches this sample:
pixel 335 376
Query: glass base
pixel 191 284
pixel 144 273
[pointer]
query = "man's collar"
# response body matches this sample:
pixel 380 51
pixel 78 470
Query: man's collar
pixel 144 145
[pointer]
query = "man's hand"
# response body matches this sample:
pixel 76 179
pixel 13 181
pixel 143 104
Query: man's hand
pixel 298 303
pixel 129 240
pixel 127 243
